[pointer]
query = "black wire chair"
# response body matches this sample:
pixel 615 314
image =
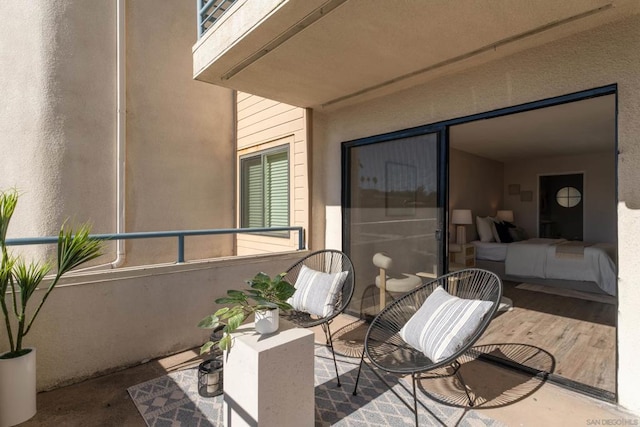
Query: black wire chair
pixel 386 350
pixel 326 261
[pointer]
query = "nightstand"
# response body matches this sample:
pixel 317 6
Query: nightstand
pixel 461 256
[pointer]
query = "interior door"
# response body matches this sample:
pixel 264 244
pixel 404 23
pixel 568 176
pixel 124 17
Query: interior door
pixel 393 204
pixel 561 206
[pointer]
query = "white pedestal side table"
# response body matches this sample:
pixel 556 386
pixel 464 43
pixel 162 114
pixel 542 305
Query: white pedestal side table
pixel 269 379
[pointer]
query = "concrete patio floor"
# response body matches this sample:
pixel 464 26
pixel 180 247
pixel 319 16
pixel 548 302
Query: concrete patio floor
pixel 503 394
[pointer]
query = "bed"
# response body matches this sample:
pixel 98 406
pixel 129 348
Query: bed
pixel 577 265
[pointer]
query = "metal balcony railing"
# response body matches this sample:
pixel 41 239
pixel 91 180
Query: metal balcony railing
pixel 156 234
pixel 209 11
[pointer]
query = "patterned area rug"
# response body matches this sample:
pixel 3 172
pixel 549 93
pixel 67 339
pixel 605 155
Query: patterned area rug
pixel 173 400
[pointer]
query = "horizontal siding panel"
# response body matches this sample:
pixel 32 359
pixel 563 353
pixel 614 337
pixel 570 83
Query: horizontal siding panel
pixel 300 193
pixel 243 95
pixel 248 102
pixel 265 117
pixel 299 170
pixel 254 109
pixel 299 158
pixel 285 117
pixel 284 129
pixel 264 124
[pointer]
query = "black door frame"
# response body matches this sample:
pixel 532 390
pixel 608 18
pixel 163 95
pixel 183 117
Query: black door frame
pixel 442 190
pixel 442 128
pixel 443 187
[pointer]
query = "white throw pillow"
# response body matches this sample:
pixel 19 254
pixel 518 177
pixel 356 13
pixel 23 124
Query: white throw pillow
pixel 317 292
pixel 484 226
pixel 443 324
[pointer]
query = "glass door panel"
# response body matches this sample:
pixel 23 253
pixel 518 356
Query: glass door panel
pixel 392 207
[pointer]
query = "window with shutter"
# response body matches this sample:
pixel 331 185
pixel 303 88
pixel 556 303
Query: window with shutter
pixel 265 189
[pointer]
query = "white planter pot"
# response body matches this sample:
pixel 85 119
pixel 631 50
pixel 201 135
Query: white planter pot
pixel 266 322
pixel 17 389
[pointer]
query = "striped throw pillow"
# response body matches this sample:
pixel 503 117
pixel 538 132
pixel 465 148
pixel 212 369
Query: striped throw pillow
pixel 443 324
pixel 317 292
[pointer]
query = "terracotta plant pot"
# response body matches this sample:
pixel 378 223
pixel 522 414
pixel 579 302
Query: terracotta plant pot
pixel 17 388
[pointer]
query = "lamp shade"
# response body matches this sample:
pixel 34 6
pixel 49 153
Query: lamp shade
pixel 461 216
pixel 505 216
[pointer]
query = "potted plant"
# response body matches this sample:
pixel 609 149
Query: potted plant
pixel 18 283
pixel 264 299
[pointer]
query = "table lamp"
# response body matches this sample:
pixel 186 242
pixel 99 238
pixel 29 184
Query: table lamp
pixel 461 218
pixel 506 215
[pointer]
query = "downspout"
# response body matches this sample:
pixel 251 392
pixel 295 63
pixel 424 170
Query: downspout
pixel 121 128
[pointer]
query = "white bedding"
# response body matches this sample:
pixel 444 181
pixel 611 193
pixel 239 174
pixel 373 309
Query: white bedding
pixel 490 251
pixel 537 258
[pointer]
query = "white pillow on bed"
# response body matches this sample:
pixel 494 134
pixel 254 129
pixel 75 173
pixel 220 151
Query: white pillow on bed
pixel 485 229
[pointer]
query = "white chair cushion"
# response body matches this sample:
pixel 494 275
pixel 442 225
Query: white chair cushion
pixel 406 284
pixel 317 292
pixel 443 324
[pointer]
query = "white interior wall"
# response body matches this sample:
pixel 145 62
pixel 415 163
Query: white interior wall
pixel 599 57
pixel 474 183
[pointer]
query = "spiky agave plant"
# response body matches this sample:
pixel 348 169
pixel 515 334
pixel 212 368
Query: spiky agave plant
pixel 19 280
pixel 264 294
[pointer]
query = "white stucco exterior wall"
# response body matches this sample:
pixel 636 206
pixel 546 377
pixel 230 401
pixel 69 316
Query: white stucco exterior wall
pixel 100 322
pixel 606 55
pixel 57 72
pixel 58 125
pixel 180 138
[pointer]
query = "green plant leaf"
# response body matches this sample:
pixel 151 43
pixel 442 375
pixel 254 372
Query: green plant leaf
pixel 284 290
pixel 225 343
pixel 234 322
pixel 76 248
pixel 206 347
pixel 235 294
pixel 262 277
pixel 29 276
pixel 209 322
pixel 221 311
pixel 8 202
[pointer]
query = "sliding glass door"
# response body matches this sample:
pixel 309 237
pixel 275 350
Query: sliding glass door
pixel 393 203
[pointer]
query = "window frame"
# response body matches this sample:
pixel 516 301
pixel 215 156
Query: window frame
pixel 263 154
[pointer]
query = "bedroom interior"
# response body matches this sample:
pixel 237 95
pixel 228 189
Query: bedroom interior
pixel 400 193
pixel 550 174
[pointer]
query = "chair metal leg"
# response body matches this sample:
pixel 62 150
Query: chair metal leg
pixel 324 327
pixel 335 364
pixel 355 388
pixel 415 398
pixel 456 366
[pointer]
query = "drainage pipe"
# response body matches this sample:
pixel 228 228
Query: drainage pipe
pixel 121 128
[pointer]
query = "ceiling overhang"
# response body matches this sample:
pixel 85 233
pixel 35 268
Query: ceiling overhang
pixel 331 53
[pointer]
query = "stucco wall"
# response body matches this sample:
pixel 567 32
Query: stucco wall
pixel 58 125
pixel 606 55
pixel 99 322
pixel 57 121
pixel 180 138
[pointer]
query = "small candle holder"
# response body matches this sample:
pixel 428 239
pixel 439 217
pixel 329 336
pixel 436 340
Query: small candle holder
pixel 210 377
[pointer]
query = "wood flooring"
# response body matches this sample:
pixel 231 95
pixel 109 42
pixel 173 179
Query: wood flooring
pixel 569 337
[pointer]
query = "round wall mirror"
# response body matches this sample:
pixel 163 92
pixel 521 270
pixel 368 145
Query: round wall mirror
pixel 568 197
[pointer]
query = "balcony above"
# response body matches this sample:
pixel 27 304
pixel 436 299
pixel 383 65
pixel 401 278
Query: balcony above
pixel 331 53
